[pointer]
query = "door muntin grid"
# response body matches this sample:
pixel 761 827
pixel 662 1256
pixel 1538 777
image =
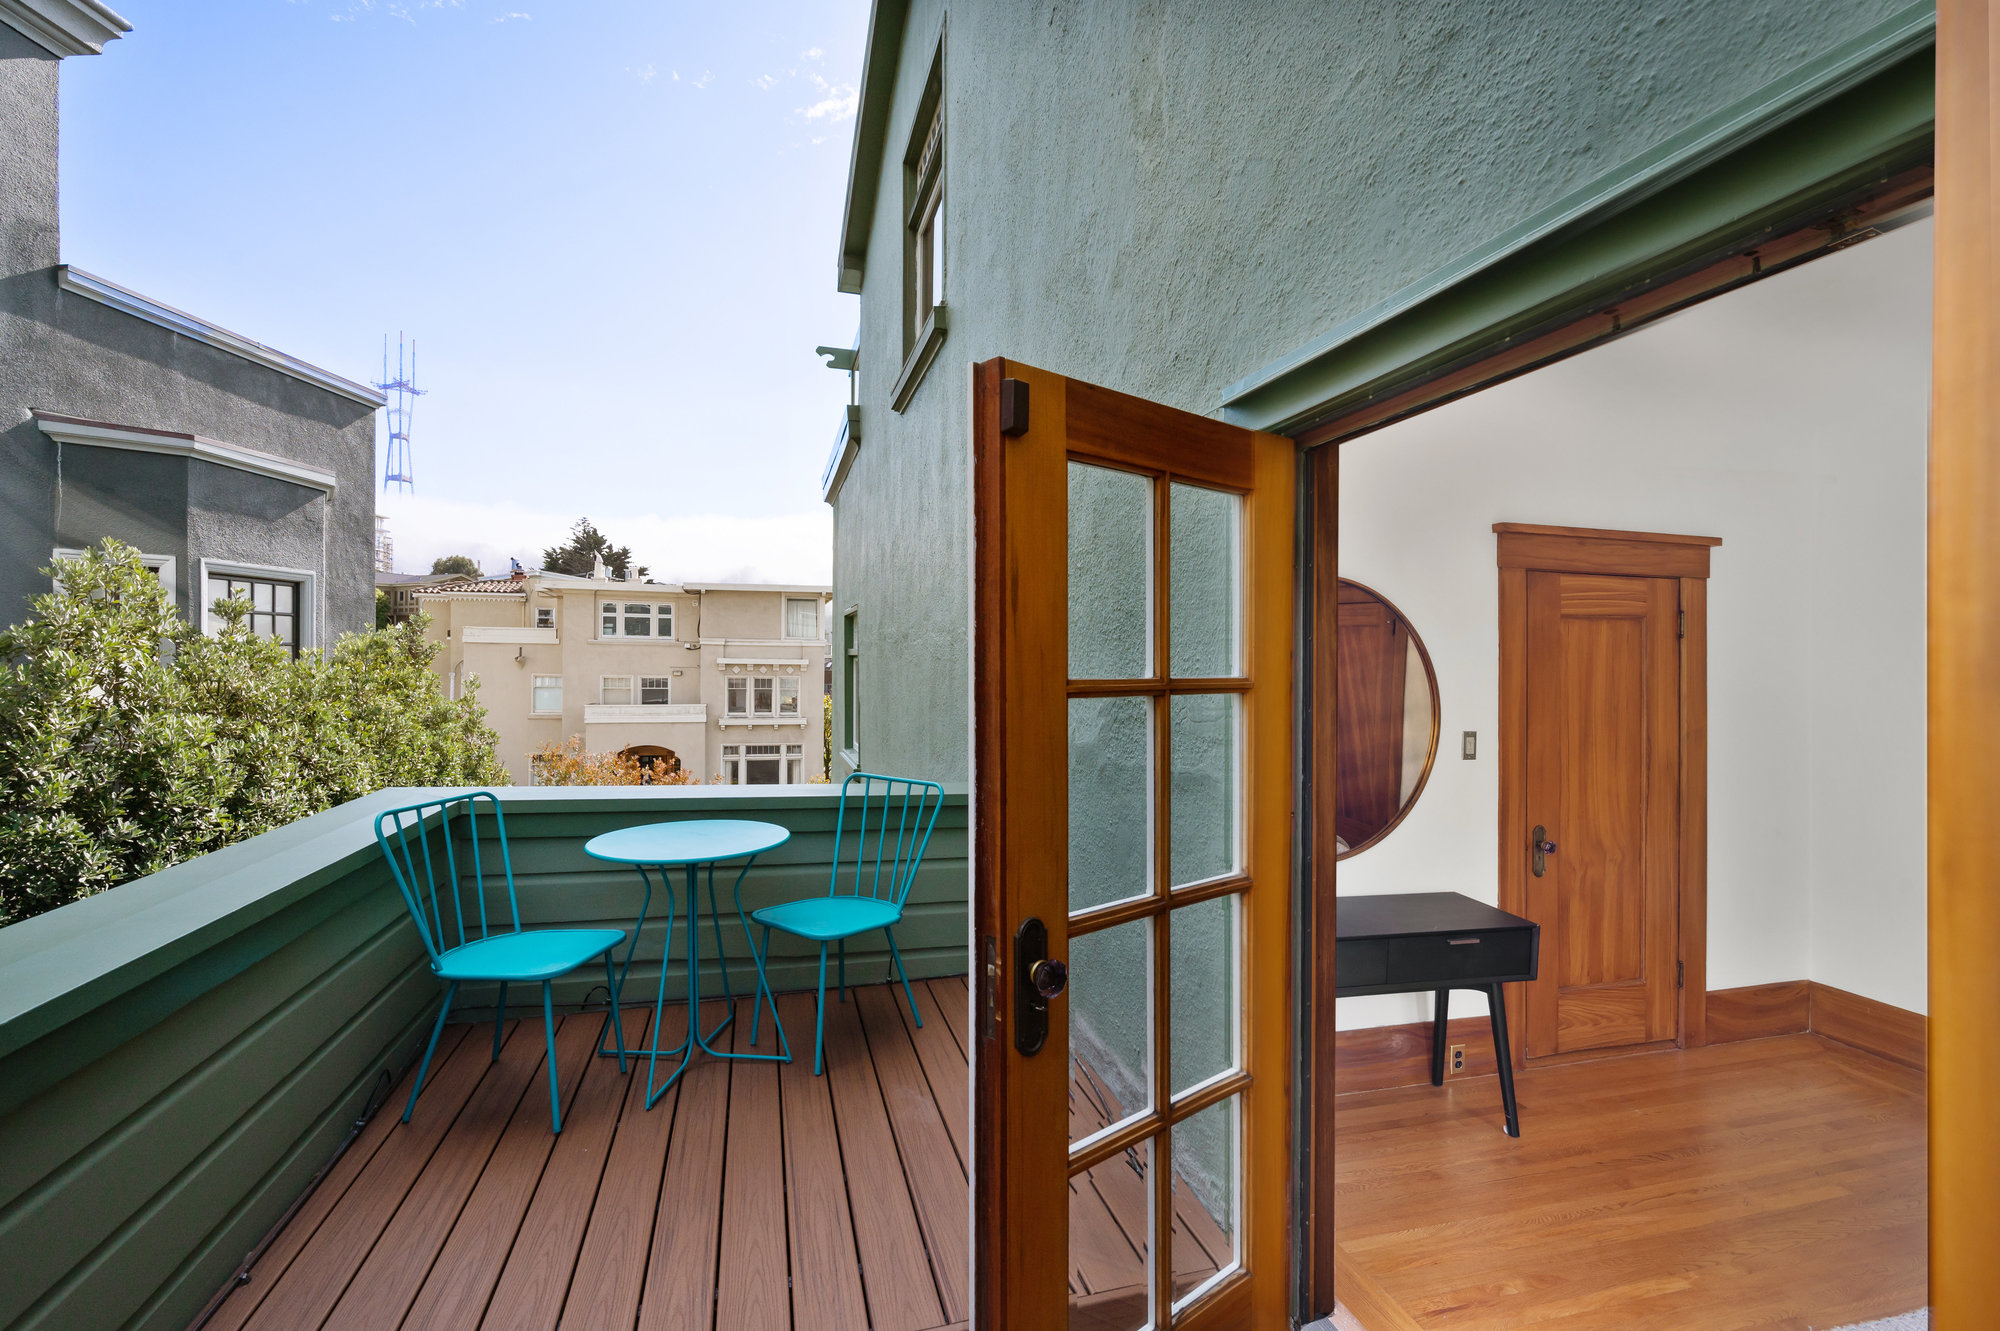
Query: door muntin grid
pixel 1157 878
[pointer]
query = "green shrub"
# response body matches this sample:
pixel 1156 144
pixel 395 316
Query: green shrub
pixel 130 740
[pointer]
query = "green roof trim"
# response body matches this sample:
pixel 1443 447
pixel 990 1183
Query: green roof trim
pixel 1863 109
pixel 871 129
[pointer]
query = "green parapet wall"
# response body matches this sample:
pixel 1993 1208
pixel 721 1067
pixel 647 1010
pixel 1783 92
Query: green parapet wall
pixel 180 1055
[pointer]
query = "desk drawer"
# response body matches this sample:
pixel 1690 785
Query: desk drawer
pixel 1474 956
pixel 1361 961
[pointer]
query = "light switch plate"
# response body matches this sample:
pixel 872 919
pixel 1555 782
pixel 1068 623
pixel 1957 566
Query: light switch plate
pixel 1468 747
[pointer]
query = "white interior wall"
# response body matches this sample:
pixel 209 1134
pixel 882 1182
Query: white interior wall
pixel 1789 419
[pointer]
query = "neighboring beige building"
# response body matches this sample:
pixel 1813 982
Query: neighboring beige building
pixel 725 680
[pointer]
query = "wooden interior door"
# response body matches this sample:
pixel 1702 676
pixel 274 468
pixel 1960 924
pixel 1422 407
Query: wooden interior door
pixel 1133 631
pixel 1603 731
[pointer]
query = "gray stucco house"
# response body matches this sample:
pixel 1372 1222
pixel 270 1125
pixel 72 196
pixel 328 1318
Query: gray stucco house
pixel 230 465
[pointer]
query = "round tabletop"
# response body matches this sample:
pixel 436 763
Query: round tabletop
pixel 697 841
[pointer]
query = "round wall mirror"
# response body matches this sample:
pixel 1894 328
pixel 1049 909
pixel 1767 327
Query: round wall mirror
pixel 1386 725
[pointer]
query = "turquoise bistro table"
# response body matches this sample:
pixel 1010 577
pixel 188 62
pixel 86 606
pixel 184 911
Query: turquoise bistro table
pixel 693 845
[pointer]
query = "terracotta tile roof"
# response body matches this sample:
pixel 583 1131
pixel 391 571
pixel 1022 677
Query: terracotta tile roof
pixel 474 586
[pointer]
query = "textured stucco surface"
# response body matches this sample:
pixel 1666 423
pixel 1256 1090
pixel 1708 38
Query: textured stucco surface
pixel 63 353
pixel 1163 198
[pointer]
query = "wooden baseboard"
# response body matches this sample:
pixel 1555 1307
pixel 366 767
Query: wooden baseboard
pixel 1894 1033
pixel 1378 1057
pixel 1758 1011
pixel 1791 1006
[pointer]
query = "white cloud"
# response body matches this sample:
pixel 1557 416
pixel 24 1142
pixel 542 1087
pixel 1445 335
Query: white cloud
pixel 786 547
pixel 643 75
pixel 764 82
pixel 706 76
pixel 837 105
pixel 813 53
pixel 504 18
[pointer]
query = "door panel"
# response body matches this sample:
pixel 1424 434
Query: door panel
pixel 1132 686
pixel 1603 775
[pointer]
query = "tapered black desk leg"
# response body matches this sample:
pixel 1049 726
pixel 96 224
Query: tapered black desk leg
pixel 1504 1057
pixel 1440 1019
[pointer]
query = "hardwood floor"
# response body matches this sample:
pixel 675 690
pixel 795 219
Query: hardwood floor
pixel 1768 1184
pixel 753 1196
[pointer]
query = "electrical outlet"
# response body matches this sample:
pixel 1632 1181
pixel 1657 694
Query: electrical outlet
pixel 1457 1058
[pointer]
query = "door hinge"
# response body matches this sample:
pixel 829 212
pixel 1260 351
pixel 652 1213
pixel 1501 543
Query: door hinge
pixel 1684 624
pixel 1680 974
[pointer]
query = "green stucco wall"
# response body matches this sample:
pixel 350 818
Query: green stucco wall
pixel 1164 198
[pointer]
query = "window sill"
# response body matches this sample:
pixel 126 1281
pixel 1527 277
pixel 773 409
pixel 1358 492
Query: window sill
pixel 920 359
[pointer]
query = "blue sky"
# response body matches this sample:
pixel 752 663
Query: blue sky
pixel 609 225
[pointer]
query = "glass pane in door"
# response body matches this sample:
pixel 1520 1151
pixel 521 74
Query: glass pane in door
pixel 1207 1195
pixel 1201 958
pixel 1204 615
pixel 1202 734
pixel 1110 573
pixel 1110 1000
pixel 1110 800
pixel 1110 1228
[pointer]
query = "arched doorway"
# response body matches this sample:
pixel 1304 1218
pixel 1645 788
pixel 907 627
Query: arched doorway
pixel 657 761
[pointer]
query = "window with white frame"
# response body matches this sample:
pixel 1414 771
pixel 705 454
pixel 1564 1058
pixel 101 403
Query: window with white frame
pixel 762 692
pixel 635 619
pixel 548 695
pixel 795 764
pixel 732 764
pixel 545 617
pixel 614 690
pixel 739 696
pixel 802 618
pixel 164 568
pixel 768 696
pixel 788 695
pixel 654 690
pixel 762 765
pixel 273 606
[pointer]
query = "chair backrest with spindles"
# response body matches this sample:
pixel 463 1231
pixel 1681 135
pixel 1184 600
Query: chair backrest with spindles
pixel 435 853
pixel 889 819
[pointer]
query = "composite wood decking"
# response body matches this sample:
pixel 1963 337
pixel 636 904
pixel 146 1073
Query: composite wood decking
pixel 1775 1184
pixel 754 1196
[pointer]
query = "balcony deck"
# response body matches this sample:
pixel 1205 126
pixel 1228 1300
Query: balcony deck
pixel 753 1196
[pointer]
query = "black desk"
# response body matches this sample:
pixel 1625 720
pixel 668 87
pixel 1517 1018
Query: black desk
pixel 1407 943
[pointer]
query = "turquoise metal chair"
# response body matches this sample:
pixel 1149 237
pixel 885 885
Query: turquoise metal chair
pixel 434 852
pixel 903 812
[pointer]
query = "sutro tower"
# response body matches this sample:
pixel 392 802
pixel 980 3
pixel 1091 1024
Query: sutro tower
pixel 397 470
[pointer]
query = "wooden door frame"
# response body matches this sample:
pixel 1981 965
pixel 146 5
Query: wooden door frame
pixel 1521 548
pixel 1974 497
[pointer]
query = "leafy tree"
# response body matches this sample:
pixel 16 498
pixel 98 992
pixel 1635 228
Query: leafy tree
pixel 381 608
pixel 586 543
pixel 131 741
pixel 463 565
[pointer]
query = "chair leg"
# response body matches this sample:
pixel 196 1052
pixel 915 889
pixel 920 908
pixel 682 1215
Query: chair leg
pixel 819 1026
pixel 843 970
pixel 615 1018
pixel 549 1031
pixel 499 1015
pixel 763 952
pixel 897 957
pixel 450 991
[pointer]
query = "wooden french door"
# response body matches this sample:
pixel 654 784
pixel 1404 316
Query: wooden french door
pixel 1603 776
pixel 1133 633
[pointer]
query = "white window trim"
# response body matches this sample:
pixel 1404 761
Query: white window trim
pixel 819 617
pixel 631 690
pixel 561 683
pixel 213 569
pixel 167 566
pixel 639 689
pixel 617 634
pixel 548 610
